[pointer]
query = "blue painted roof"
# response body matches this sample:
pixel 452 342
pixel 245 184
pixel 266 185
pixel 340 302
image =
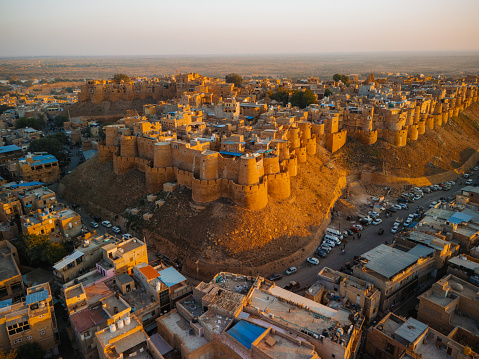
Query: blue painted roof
pixel 26 184
pixel 89 154
pixel 459 218
pixel 250 117
pixel 6 303
pixel 246 333
pixel 36 297
pixel 10 148
pixel 170 276
pixel 231 153
pixel 42 159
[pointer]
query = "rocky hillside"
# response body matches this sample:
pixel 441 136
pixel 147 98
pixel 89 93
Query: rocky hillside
pixel 107 108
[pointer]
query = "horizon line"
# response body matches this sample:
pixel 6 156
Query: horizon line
pixel 255 54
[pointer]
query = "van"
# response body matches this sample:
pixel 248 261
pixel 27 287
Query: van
pixel 334 232
pixel 329 243
pixel 332 238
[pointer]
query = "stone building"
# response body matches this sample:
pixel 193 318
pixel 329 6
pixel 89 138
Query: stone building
pixel 396 274
pixel 395 337
pixel 11 282
pixel 31 320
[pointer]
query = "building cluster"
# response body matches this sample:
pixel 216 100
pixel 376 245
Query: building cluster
pixel 31 208
pixel 237 143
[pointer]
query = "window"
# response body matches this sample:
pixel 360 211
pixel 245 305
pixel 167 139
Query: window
pixel 390 348
pixel 29 337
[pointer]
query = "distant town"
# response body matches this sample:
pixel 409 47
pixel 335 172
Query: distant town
pixel 392 275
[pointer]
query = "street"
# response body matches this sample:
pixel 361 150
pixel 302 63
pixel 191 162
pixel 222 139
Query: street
pixel 307 274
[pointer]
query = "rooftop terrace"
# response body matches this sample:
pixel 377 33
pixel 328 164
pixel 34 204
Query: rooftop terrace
pixel 176 324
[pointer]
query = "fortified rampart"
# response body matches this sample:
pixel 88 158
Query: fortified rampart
pixel 248 179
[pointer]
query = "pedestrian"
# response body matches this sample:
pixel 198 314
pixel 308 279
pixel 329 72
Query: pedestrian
pixel 359 235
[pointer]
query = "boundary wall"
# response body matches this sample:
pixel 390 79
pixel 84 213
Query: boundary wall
pixel 394 181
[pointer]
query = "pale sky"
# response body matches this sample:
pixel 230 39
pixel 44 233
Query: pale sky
pixel 189 27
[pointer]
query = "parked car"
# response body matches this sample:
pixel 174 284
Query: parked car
pixel 275 277
pixel 312 260
pixel 469 182
pixel 358 226
pixel 475 168
pixel 377 221
pixel 116 229
pixel 373 214
pixel 291 270
pixel 394 229
pixel 322 254
pixel 402 205
pixel 426 190
pixel 127 236
pixel 94 224
pixel 466 175
pixel 106 224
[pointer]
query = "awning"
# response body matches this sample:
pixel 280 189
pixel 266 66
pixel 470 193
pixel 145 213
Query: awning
pixel 67 260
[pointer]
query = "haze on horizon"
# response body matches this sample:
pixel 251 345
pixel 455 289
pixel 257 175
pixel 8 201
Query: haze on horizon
pixel 188 27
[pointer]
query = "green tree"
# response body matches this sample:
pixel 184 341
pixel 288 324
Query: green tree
pixel 69 89
pixel 59 120
pixel 234 79
pixel 30 351
pixel 303 99
pixel 48 144
pixel 35 123
pixel 343 78
pixel 281 95
pixel 121 77
pixel 39 251
pixel 327 93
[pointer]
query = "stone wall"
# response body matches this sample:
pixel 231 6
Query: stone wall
pixel 394 181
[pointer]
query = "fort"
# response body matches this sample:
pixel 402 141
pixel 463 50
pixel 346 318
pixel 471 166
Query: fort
pixel 249 151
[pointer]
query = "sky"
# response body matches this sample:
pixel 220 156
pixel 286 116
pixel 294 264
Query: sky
pixel 194 27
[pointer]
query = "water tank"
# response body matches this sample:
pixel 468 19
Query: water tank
pixel 112 328
pixel 120 324
pixel 127 321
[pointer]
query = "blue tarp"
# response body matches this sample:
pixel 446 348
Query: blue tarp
pixel 26 184
pixel 6 303
pixel 231 153
pixel 246 333
pixel 170 276
pixel 458 218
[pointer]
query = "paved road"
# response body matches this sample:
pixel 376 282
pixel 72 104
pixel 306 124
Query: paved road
pixel 306 274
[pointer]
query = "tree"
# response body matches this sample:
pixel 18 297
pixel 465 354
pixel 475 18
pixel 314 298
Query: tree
pixel 327 93
pixel 303 99
pixel 121 77
pixel 234 78
pixel 4 108
pixel 35 123
pixel 31 351
pixel 59 120
pixel 39 250
pixel 281 95
pixel 69 89
pixel 51 144
pixel 343 78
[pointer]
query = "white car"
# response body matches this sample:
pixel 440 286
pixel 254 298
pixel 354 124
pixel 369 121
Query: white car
pixel 397 206
pixel 433 204
pixel 291 270
pixel 373 214
pixel 127 236
pixel 106 224
pixel 116 229
pixel 466 175
pixel 377 221
pixel 312 260
pixel 394 230
pixel 475 168
pixel 402 205
pixel 469 181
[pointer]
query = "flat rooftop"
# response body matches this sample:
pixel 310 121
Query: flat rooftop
pixel 8 266
pixel 279 347
pixel 191 305
pixel 176 324
pixel 316 319
pixel 234 282
pixel 213 322
pixel 110 303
